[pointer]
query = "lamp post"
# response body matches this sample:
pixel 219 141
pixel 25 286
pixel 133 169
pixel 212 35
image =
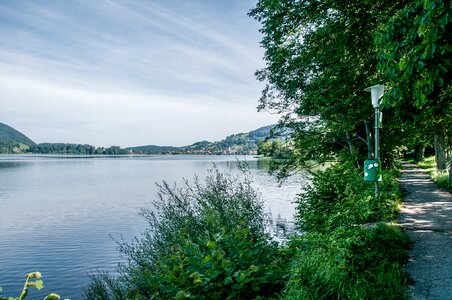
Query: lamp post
pixel 377 92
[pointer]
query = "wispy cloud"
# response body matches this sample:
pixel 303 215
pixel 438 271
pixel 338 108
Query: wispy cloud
pixel 85 64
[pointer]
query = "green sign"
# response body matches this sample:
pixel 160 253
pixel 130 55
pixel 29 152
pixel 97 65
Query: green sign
pixel 372 170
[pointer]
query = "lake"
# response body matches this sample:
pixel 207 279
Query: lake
pixel 57 213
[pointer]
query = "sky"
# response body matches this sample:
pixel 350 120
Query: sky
pixel 128 73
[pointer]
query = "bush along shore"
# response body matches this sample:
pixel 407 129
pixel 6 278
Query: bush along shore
pixel 207 240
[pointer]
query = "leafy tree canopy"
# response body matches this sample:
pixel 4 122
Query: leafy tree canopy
pixel 414 50
pixel 320 56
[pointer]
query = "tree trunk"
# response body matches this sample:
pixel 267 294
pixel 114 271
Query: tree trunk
pixel 349 142
pixel 450 171
pixel 419 153
pixel 350 147
pixel 370 151
pixel 439 135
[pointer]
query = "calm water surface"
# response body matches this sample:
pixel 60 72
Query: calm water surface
pixel 57 213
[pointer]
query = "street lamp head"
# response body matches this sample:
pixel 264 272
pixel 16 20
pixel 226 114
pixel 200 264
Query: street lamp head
pixel 377 92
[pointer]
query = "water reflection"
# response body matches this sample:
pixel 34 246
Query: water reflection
pixel 11 164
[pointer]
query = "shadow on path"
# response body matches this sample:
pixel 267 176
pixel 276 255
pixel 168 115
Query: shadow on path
pixel 427 218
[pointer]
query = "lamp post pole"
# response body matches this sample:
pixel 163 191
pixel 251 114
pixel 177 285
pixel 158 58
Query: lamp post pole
pixel 377 92
pixel 377 137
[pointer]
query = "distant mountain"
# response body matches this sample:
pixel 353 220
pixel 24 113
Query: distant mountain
pixel 250 138
pixel 240 143
pixel 13 141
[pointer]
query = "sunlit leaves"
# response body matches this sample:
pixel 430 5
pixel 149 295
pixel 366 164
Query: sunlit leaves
pixel 415 54
pixel 38 284
pixel 34 275
pixel 52 297
pixel 29 282
pixel 415 51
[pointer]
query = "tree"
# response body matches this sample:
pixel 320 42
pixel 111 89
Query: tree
pixel 264 147
pixel 415 49
pixel 320 56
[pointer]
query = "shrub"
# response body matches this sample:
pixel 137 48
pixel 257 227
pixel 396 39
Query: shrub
pixel 347 251
pixel 338 196
pixel 204 241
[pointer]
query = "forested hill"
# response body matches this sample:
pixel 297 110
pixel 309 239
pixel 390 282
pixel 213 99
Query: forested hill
pixel 240 143
pixel 12 140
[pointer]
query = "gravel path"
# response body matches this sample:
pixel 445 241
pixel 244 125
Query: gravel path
pixel 427 217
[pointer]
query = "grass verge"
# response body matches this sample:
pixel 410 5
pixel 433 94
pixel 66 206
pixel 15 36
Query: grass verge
pixel 441 179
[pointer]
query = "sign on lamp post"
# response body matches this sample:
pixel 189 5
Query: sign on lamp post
pixel 373 167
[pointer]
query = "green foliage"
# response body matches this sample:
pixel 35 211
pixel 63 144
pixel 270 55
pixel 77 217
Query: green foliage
pixel 32 279
pixel 361 262
pixel 275 148
pixel 428 164
pixel 204 241
pixel 348 250
pixel 414 52
pixel 76 149
pixel 319 58
pixel 339 197
pixel 441 179
pixel 231 266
